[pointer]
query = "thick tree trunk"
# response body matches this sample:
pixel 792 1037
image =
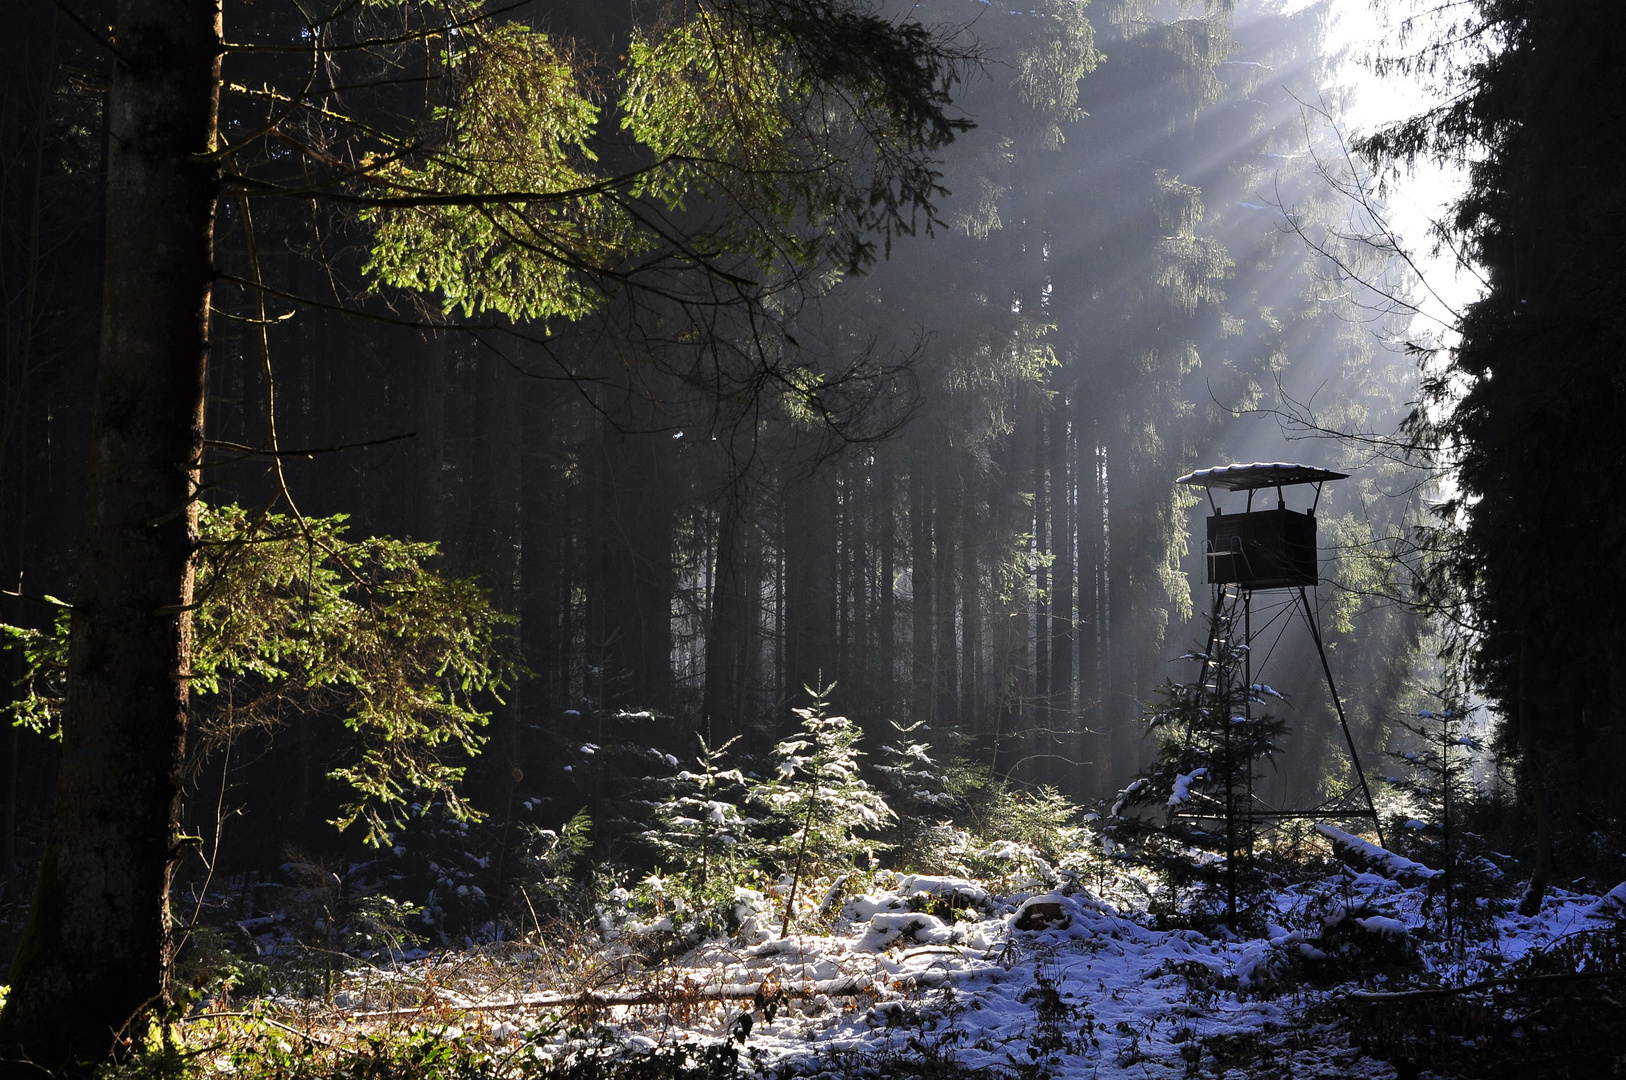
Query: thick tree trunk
pixel 545 526
pixel 1541 875
pixel 96 947
pixel 495 554
pixel 633 593
pixel 731 638
pixel 29 85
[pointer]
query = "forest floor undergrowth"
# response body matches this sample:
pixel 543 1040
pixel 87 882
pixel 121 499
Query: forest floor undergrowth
pixel 1344 974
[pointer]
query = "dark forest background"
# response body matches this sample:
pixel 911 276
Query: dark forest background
pixel 1141 265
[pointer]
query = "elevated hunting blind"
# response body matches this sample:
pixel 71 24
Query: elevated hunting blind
pixel 1261 549
pixel 1265 550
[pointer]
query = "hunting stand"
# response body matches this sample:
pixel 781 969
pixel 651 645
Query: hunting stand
pixel 1264 550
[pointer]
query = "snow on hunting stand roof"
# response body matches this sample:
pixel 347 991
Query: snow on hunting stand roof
pixel 1259 474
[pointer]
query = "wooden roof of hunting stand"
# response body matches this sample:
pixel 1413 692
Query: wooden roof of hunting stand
pixel 1259 474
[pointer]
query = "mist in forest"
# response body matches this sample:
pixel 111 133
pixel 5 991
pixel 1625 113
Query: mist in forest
pixel 1135 272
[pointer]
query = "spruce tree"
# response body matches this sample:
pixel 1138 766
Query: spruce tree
pixel 1528 559
pixel 699 835
pixel 818 800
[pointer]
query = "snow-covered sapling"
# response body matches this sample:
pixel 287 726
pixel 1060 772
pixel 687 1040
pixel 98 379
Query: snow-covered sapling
pixel 911 780
pixel 551 865
pixel 698 832
pixel 826 813
pixel 918 788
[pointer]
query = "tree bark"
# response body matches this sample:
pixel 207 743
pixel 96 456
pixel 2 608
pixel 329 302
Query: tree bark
pixel 1043 485
pixel 971 692
pixel 1062 638
pixel 1092 746
pixel 32 82
pixel 636 509
pixel 1121 627
pixel 96 948
pixel 1012 657
pixel 853 648
pixel 495 555
pixel 945 672
pixel 1530 751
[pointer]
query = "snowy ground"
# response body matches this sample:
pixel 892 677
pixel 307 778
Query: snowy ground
pixel 1055 982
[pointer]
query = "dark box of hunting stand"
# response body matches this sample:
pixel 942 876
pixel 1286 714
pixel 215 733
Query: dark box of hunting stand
pixel 1262 549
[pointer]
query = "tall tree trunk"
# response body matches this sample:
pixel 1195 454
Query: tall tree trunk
pixel 887 631
pixel 1043 484
pixel 1121 627
pixel 920 589
pixel 844 573
pixel 96 949
pixel 946 675
pixel 971 692
pixel 32 82
pixel 428 410
pixel 1091 744
pixel 1018 665
pixel 1062 636
pixel 731 628
pixel 1541 875
pixel 856 644
pixel 811 531
pixel 545 640
pixel 494 553
pixel 634 491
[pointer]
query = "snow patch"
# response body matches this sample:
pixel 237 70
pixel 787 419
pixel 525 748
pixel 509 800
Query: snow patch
pixel 1382 924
